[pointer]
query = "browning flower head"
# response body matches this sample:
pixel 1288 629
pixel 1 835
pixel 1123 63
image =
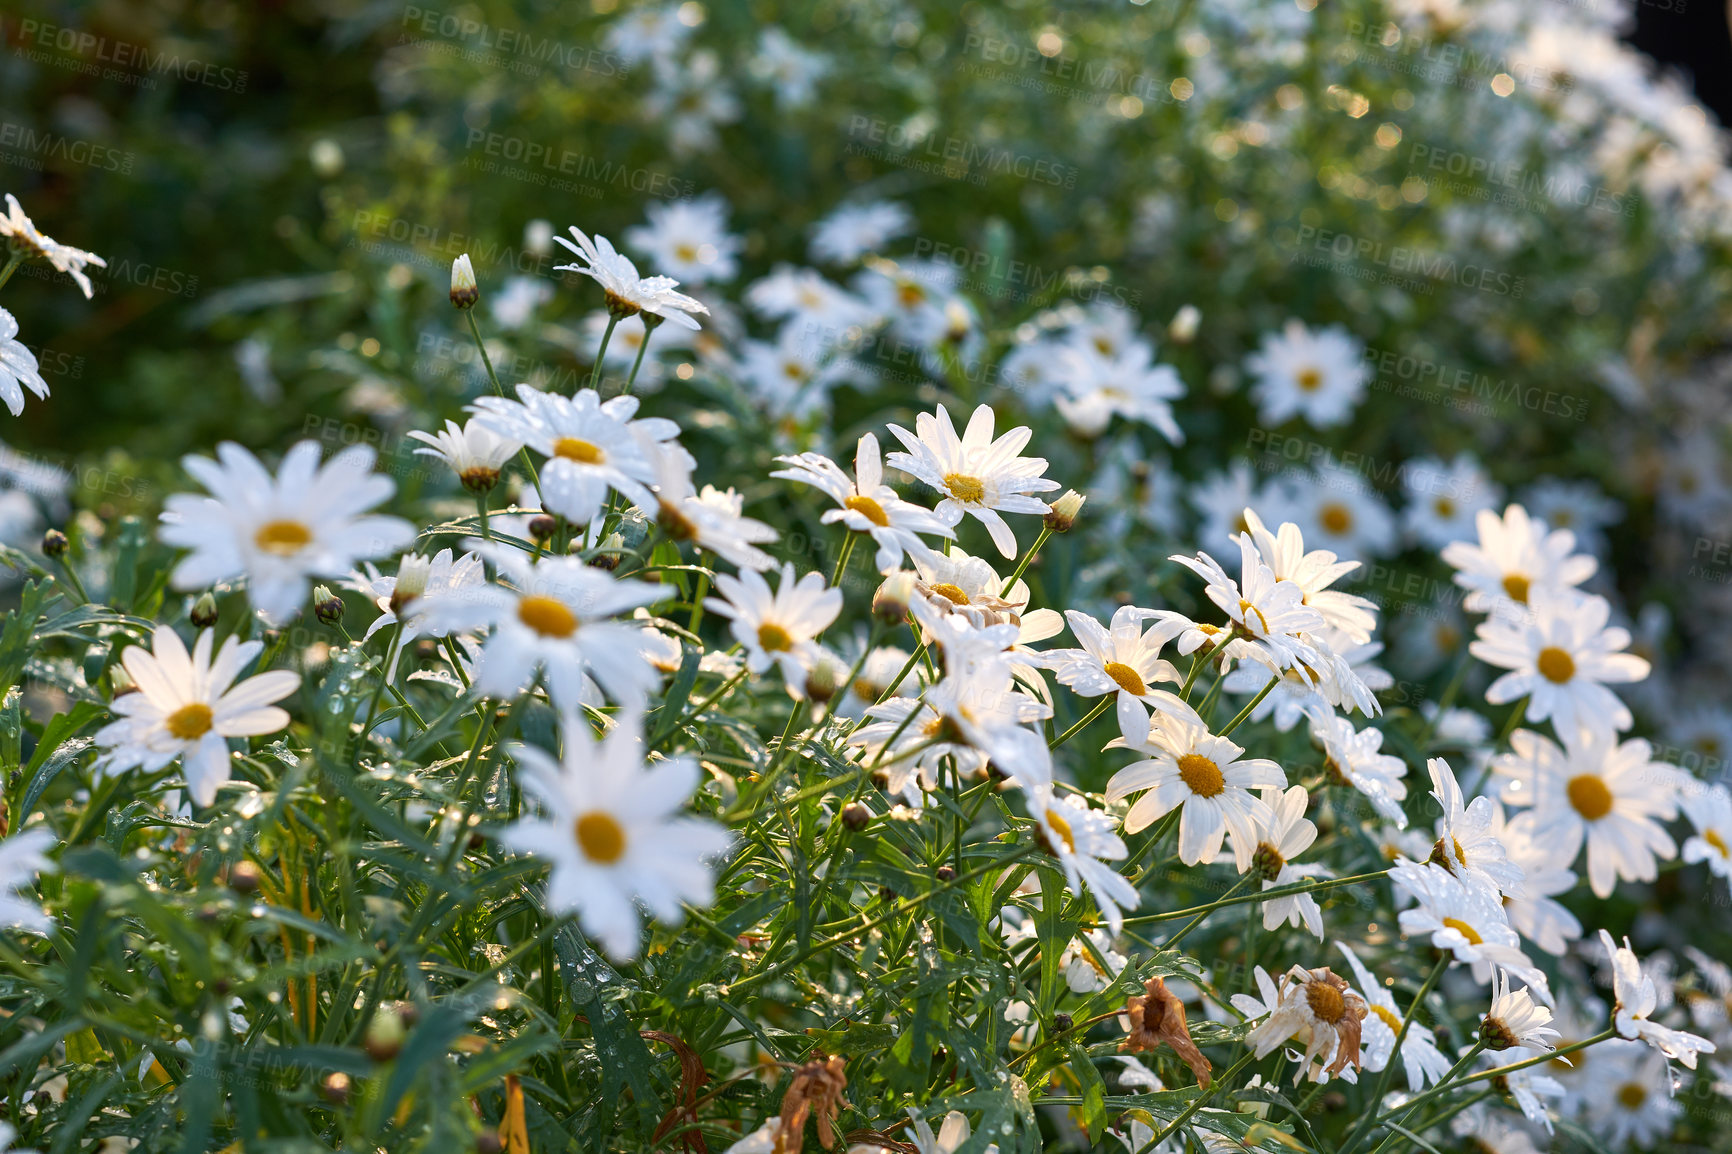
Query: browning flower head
pixel 816 1092
pixel 1337 1008
pixel 1158 1016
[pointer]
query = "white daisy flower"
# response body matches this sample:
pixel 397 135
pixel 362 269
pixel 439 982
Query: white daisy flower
pixel 1124 659
pixel 1282 834
pixel 793 69
pixel 1612 795
pixel 821 311
pixel 793 375
pixel 1083 841
pixel 648 32
pixel 1444 500
pixel 1314 571
pixel 1488 1133
pixel 474 451
pixel 1099 386
pixel 1319 375
pixel 1635 1002
pixel 514 305
pixel 868 505
pixel 1344 677
pixel 1270 613
pixel 1579 506
pixel 1467 834
pixel 1083 974
pixel 979 705
pixel 952 1133
pixel 1191 767
pixel 22 235
pixel 591 445
pixel 1560 658
pixel 1535 915
pixel 416 577
pixel 280 532
pixel 614 833
pixel 977 475
pixel 853 230
pixel 1629 1099
pixel 1709 808
pixel 1515 1020
pixel 689 239
pixel 889 741
pixel 1220 500
pixel 22 857
pixel 627 293
pixel 1514 555
pixel 1339 510
pixel 1355 758
pixel 690 100
pixel 710 520
pixel 1421 1060
pixel 778 627
pixel 875 674
pixel 188 706
pixel 555 615
pixel 1465 918
pixel 17 367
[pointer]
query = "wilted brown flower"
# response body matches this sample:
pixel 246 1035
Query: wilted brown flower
pixel 1158 1016
pixel 1318 1010
pixel 816 1092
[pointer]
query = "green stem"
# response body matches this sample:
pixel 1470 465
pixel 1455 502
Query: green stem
pixel 481 508
pixel 1026 558
pixel 499 390
pixel 606 336
pixel 642 348
pixel 1203 655
pixel 1172 943
pixel 11 267
pixel 1239 718
pixel 1310 886
pixel 1107 702
pixel 842 559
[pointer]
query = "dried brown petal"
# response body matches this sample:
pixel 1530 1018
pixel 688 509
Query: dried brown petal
pixel 815 1092
pixel 1158 1016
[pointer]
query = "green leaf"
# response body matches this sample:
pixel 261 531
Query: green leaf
pixel 1094 1091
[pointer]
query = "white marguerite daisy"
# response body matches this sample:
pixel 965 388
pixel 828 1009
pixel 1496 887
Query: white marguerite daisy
pixel 1536 915
pixel 1560 657
pixel 1099 386
pixel 1487 1133
pixel 868 505
pixel 791 68
pixel 910 754
pixel 711 519
pixel 822 311
pixel 1314 571
pixel 1355 758
pixel 416 577
pixel 1612 795
pixel 22 857
pixel 1282 835
pixel 1467 834
pixel 1709 808
pixel 1189 766
pixel 1269 613
pixel 853 230
pixel 1320 1012
pixel 475 452
pixel 1344 676
pixel 1636 998
pixel 280 532
pixel 1628 1100
pixel 1421 1060
pixel 689 239
pixel 1083 841
pixel 554 615
pixel 1220 500
pixel 778 626
pixel 17 367
pixel 1444 501
pixel 979 705
pixel 793 375
pixel 628 293
pixel 188 706
pixel 22 235
pixel 978 475
pixel 1319 375
pixel 1463 915
pixel 1514 555
pixel 591 445
pixel 1123 659
pixel 1579 506
pixel 615 834
pixel 1515 1020
pixel 1340 510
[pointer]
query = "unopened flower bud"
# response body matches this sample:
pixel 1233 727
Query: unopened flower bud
pixel 1064 511
pixel 945 873
pixel 607 557
pixel 54 543
pixel 244 877
pixel 1183 328
pixel 1061 1023
pixel 1494 1035
pixel 823 681
pixel 121 681
pixel 327 606
pixel 855 816
pixel 335 1089
pixel 890 603
pixel 542 528
pixel 412 574
pixel 204 611
pixel 385 1034
pixel 464 291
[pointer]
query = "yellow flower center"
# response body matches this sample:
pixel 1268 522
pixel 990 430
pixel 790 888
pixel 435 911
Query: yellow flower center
pixel 1590 796
pixel 1631 1095
pixel 910 294
pixel 686 252
pixel 965 488
pixel 283 538
pixel 1517 587
pixel 1127 678
pixel 772 638
pixel 583 452
pixel 548 616
pixel 1444 507
pixel 1246 607
pixel 1326 1002
pixel 1465 930
pixel 189 722
pixel 1335 518
pixel 869 509
pixel 1555 665
pixel 951 593
pixel 600 837
pixel 1200 775
pixel 1309 380
pixel 1717 842
pixel 1061 827
pixel 1388 1018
